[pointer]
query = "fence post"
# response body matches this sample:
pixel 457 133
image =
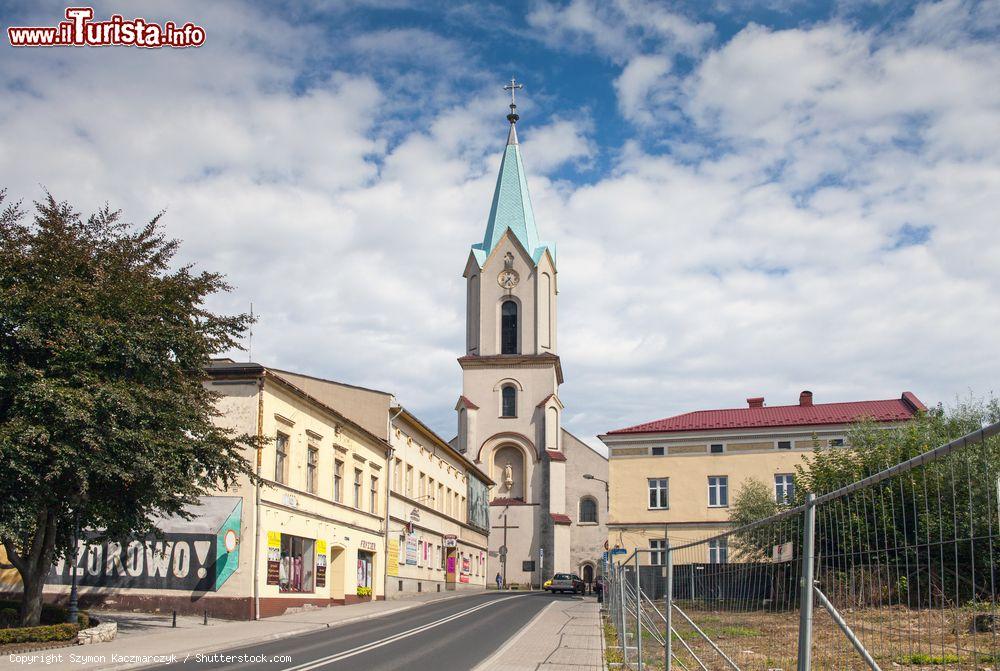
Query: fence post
pixel 668 602
pixel 806 584
pixel 621 610
pixel 638 615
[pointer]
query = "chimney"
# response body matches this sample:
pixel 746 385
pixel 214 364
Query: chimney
pixel 756 402
pixel 806 399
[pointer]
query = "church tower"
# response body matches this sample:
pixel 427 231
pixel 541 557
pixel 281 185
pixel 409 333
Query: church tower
pixel 509 413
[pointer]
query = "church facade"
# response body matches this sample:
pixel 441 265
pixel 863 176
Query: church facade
pixel 545 517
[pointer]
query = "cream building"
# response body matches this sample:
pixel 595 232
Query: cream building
pixel 312 532
pixel 675 477
pixel 544 517
pixel 438 522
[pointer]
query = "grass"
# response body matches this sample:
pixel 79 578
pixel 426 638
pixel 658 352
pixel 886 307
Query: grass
pixel 923 659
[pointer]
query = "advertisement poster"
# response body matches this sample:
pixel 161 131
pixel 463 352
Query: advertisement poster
pixel 478 504
pixel 393 560
pixel 412 550
pixel 466 569
pixel 273 557
pixel 320 563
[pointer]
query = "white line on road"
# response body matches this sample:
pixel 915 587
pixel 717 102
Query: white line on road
pixel 495 657
pixel 336 657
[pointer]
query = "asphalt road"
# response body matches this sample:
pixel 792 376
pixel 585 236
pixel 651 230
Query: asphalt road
pixel 453 634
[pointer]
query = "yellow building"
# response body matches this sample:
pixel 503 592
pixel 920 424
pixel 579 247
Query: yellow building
pixel 438 513
pixel 313 531
pixel 675 477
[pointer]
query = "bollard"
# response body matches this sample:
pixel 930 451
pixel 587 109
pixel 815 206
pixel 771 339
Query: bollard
pixel 174 623
pixel 205 621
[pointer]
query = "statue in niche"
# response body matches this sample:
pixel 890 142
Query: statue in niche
pixel 508 477
pixel 508 260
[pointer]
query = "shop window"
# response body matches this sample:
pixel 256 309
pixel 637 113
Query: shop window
pixel 295 574
pixel 366 565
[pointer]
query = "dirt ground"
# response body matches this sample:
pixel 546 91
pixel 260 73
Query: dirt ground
pixel 897 637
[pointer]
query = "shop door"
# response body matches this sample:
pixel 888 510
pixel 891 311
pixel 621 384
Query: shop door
pixel 366 583
pixel 451 573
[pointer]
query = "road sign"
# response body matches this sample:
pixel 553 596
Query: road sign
pixel 619 551
pixel 450 541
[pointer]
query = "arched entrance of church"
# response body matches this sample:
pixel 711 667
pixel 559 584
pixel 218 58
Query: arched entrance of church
pixel 587 573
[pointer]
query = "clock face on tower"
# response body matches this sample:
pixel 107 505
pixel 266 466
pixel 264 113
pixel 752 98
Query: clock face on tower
pixel 508 279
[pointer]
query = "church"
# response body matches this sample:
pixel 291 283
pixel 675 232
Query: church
pixel 545 515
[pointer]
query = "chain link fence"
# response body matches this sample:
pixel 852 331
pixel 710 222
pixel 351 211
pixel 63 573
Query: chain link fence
pixel 895 571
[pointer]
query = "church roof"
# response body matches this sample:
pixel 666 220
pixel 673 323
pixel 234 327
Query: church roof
pixel 511 208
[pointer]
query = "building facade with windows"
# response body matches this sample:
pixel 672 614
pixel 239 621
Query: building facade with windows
pixel 438 519
pixel 676 477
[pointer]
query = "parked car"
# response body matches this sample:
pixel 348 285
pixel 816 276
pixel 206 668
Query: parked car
pixel 565 582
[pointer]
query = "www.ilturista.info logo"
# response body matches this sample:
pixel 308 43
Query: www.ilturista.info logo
pixel 80 30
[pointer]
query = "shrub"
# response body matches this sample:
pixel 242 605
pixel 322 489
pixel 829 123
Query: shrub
pixel 51 614
pixel 42 634
pixel 8 617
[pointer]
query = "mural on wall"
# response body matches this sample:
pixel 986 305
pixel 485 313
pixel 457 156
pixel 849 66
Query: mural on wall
pixel 196 555
pixel 478 504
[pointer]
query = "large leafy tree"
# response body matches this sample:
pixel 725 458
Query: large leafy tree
pixel 103 412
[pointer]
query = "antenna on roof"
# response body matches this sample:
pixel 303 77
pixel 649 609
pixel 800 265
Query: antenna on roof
pixel 250 336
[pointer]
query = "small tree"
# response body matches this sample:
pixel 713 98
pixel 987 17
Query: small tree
pixel 104 416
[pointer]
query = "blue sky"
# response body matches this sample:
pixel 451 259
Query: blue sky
pixel 749 198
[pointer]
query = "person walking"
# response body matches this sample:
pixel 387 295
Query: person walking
pixel 599 588
pixel 499 581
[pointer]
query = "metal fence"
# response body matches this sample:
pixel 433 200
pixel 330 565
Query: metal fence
pixel 895 571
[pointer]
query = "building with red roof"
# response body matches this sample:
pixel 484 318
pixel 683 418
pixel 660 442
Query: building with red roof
pixel 676 476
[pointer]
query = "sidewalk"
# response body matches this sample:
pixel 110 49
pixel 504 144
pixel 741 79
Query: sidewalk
pixel 565 635
pixel 142 635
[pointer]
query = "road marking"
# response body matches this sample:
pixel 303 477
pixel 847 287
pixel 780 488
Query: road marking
pixel 336 657
pixel 495 657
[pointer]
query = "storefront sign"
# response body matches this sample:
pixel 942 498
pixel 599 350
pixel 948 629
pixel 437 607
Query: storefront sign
pixel 450 541
pixel 392 561
pixel 370 546
pixel 273 557
pixel 320 563
pixel 411 551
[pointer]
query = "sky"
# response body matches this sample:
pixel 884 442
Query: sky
pixel 749 198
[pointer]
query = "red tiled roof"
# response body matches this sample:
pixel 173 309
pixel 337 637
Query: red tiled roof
pixel 893 410
pixel 508 502
pixel 467 403
pixel 556 455
pixel 559 518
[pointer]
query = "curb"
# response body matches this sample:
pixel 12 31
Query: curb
pixel 277 636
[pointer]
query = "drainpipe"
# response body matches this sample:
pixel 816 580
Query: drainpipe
pixel 390 452
pixel 256 505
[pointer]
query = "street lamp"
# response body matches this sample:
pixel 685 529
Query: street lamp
pixel 72 613
pixel 607 495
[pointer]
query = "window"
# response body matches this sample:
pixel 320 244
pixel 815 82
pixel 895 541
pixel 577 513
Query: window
pixel 374 493
pixel 716 448
pixel 658 556
pixel 718 551
pixel 659 493
pixel 508 404
pixel 784 444
pixel 358 475
pixel 784 488
pixel 657 451
pixel 409 481
pixel 508 328
pixel 312 459
pixel 423 486
pixel 295 568
pixel 439 499
pixel 718 491
pixel 402 549
pixel 431 499
pixel 397 476
pixel 280 457
pixel 338 481
pixel 588 511
pixel 836 442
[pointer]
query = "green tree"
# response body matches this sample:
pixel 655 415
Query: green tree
pixel 103 410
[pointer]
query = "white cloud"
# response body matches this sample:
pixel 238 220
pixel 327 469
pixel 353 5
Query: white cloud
pixel 757 256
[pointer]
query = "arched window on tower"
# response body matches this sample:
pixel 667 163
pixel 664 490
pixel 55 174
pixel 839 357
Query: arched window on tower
pixel 508 328
pixel 508 401
pixel 588 510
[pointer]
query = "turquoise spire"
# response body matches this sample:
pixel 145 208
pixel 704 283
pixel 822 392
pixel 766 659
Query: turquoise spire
pixel 511 208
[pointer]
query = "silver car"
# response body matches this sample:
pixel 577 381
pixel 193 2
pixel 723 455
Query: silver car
pixel 566 582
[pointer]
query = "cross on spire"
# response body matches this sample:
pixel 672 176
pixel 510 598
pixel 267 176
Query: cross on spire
pixel 512 87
